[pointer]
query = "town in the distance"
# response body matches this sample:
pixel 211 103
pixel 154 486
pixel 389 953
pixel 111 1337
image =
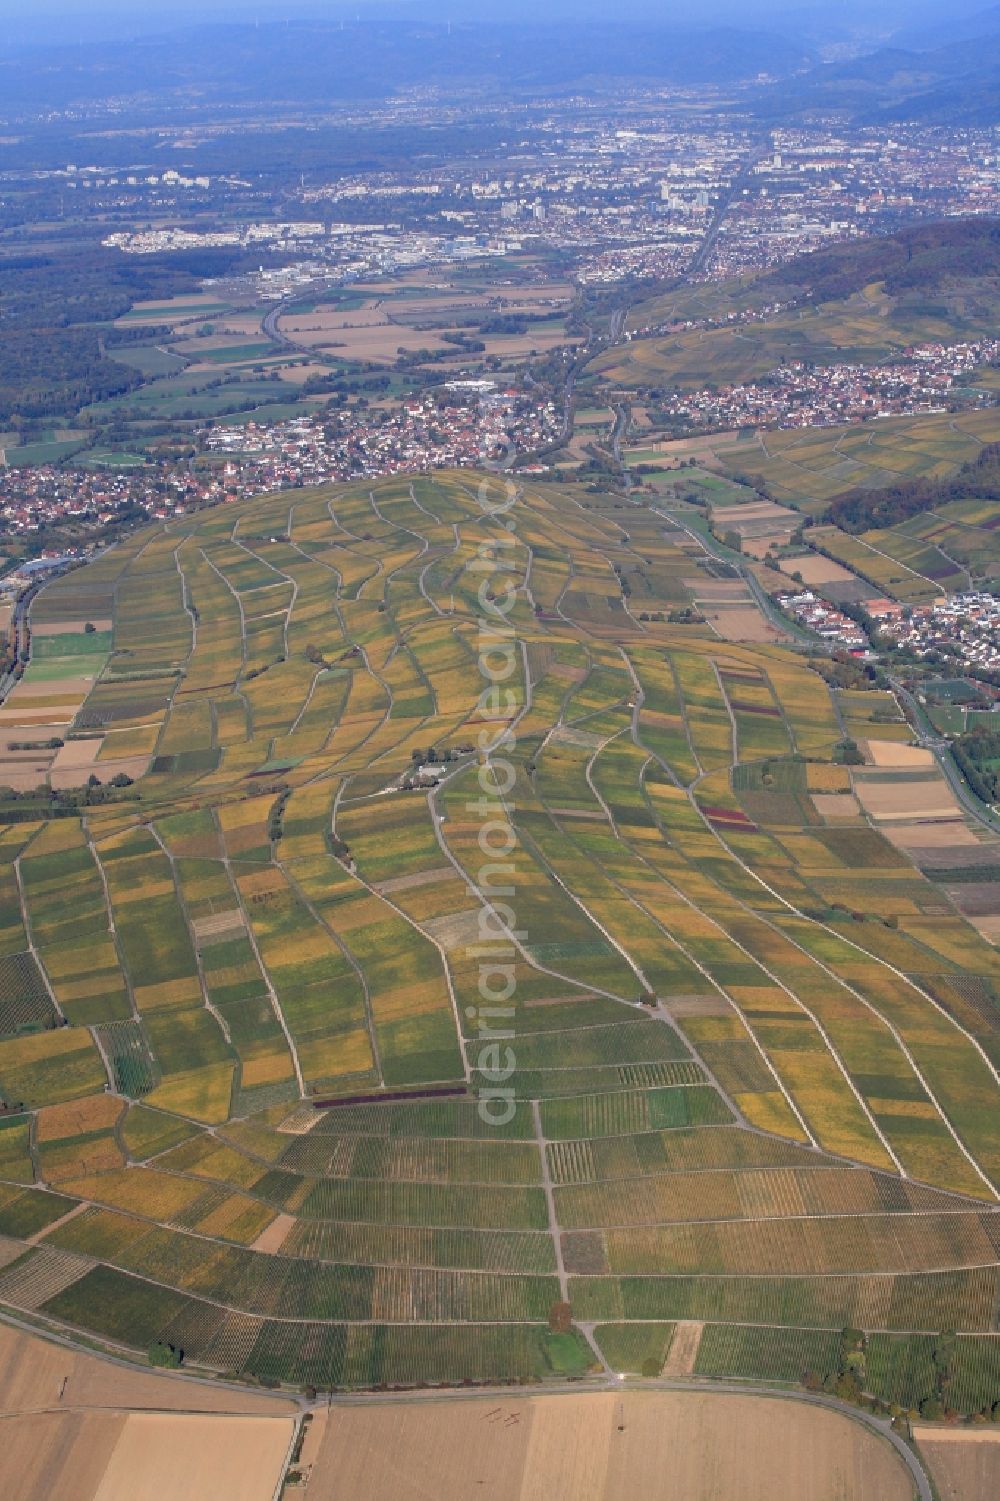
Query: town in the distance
pixel 500 751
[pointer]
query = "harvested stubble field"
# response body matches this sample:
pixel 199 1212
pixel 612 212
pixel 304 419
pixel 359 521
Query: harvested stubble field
pixel 98 1456
pixel 84 1429
pixel 755 1059
pixel 965 1465
pixel 602 1446
pixel 387 319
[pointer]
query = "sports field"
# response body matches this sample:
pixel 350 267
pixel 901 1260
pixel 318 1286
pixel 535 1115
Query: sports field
pixel 752 1062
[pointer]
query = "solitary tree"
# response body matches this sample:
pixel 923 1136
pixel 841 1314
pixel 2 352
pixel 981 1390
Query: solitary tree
pixel 167 1356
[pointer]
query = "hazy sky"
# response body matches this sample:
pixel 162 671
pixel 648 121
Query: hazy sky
pixel 85 19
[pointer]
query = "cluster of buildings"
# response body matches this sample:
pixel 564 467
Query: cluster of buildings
pixel 419 434
pixel 662 256
pixel 690 325
pixel 170 237
pixel 821 184
pixel 637 202
pixel 963 626
pixel 923 379
pixel 34 571
pixel 242 461
pixel 819 615
pixel 38 498
pixel 339 252
pixel 628 190
pixel 628 193
pixel 95 179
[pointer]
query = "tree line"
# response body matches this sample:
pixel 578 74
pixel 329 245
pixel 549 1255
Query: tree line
pixel 862 510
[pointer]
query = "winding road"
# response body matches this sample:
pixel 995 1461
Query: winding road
pixel 931 740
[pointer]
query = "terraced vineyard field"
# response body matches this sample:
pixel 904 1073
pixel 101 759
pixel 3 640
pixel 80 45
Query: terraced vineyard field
pixel 473 942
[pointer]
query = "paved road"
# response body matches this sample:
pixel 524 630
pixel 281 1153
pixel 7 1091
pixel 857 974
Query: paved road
pixel 19 620
pixel 938 744
pixel 723 554
pixel 602 1383
pixel 269 324
pixel 722 208
pixel 610 1382
pixel 616 328
pixel 618 433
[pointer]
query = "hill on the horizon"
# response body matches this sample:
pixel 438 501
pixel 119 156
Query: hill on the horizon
pixel 318 60
pixel 953 82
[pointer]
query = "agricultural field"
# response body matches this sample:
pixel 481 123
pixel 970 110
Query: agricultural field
pixel 868 558
pixel 952 548
pixel 423 314
pixel 471 939
pixel 808 468
pixel 602 1446
pixel 224 356
pixel 131 1434
pixel 867 325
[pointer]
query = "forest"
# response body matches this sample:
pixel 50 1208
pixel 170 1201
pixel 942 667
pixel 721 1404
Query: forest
pixel 864 510
pixel 978 757
pixel 920 259
pixel 56 339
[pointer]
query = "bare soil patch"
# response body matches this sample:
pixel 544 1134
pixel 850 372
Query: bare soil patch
pixel 559 1000
pixel 601 1447
pixel 965 1463
pixel 697 1005
pixel 132 766
pixel 419 878
pixel 175 1457
pixel 381 342
pixel 78 755
pixel 58 714
pixel 57 691
pixel 510 346
pixel 219 923
pixel 69 627
pixel 683 446
pixel 57 1454
pixel 836 805
pixel 12 734
pixel 743 625
pixel 273 1238
pixel 752 511
pixel 297 375
pixel 948 834
pixel 456 929
pixel 816 570
pixel 23 776
pixel 33 1370
pixel 716 589
pixel 370 316
pixel 905 801
pixel 683 1350
pixel 890 753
